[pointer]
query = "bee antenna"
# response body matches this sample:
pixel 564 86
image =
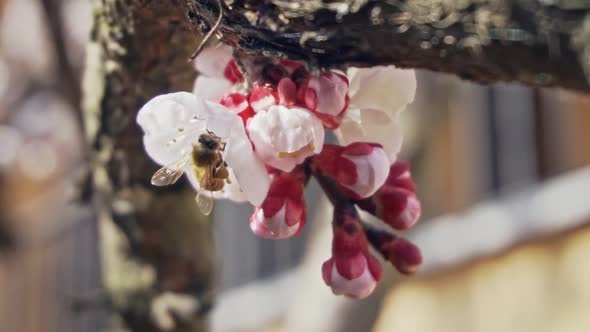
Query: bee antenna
pixel 210 33
pixel 201 119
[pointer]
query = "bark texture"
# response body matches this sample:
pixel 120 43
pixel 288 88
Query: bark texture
pixel 157 247
pixel 535 42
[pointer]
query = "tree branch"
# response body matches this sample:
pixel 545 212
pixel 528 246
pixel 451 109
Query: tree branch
pixel 161 248
pixel 527 41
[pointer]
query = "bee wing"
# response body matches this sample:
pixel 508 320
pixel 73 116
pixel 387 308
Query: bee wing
pixel 168 175
pixel 204 197
pixel 204 201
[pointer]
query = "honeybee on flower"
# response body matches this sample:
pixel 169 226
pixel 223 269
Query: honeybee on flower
pixel 205 141
pixel 208 167
pixel 262 140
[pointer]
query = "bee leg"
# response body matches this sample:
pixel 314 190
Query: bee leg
pixel 220 161
pixel 219 185
pixel 221 173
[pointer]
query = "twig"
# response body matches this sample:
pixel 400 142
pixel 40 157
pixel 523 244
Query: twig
pixel 210 33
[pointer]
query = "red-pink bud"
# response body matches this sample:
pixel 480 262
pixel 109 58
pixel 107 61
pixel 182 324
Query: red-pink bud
pixel 359 168
pixel 397 207
pixel 401 253
pixel 290 66
pixel 404 255
pixel 282 214
pixel 232 72
pixel 263 97
pixel 395 202
pixel 238 103
pixel 352 270
pixel 400 176
pixel 287 92
pixel 327 96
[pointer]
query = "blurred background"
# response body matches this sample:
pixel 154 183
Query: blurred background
pixel 501 170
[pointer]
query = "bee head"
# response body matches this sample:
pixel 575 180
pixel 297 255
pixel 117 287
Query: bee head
pixel 209 141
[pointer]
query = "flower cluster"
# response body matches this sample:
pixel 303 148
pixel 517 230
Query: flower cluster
pixel 259 137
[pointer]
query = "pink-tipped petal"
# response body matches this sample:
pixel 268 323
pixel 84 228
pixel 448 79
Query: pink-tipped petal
pixel 285 137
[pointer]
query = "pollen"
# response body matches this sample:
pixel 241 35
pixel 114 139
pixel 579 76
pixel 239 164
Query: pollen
pixel 295 154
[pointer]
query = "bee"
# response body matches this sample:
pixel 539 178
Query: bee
pixel 208 166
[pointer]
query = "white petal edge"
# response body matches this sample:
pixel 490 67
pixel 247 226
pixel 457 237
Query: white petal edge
pixel 374 127
pixel 213 60
pixel 211 88
pixel 169 124
pixel 383 88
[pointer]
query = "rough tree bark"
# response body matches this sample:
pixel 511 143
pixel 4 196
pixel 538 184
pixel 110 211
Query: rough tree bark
pixel 535 42
pixel 139 48
pixel 158 260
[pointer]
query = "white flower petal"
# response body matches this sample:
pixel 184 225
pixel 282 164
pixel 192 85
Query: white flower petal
pixel 223 122
pixel 251 174
pixel 284 137
pixel 211 88
pixel 165 149
pixel 373 127
pixel 213 60
pixel 387 89
pixel 167 112
pixel 170 123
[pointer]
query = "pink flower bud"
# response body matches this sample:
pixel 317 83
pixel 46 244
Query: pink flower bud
pixel 327 96
pixel 395 202
pixel 352 270
pixel 400 176
pixel 359 168
pixel 238 103
pixel 401 253
pixel 263 97
pixel 397 207
pixel 355 276
pixel 282 214
pixel 404 255
pixel 287 92
pixel 232 72
pixel 290 66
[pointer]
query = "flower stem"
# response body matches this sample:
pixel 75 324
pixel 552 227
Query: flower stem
pixel 375 236
pixel 331 189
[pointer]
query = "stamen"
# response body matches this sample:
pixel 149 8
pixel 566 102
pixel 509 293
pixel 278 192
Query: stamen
pixel 295 154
